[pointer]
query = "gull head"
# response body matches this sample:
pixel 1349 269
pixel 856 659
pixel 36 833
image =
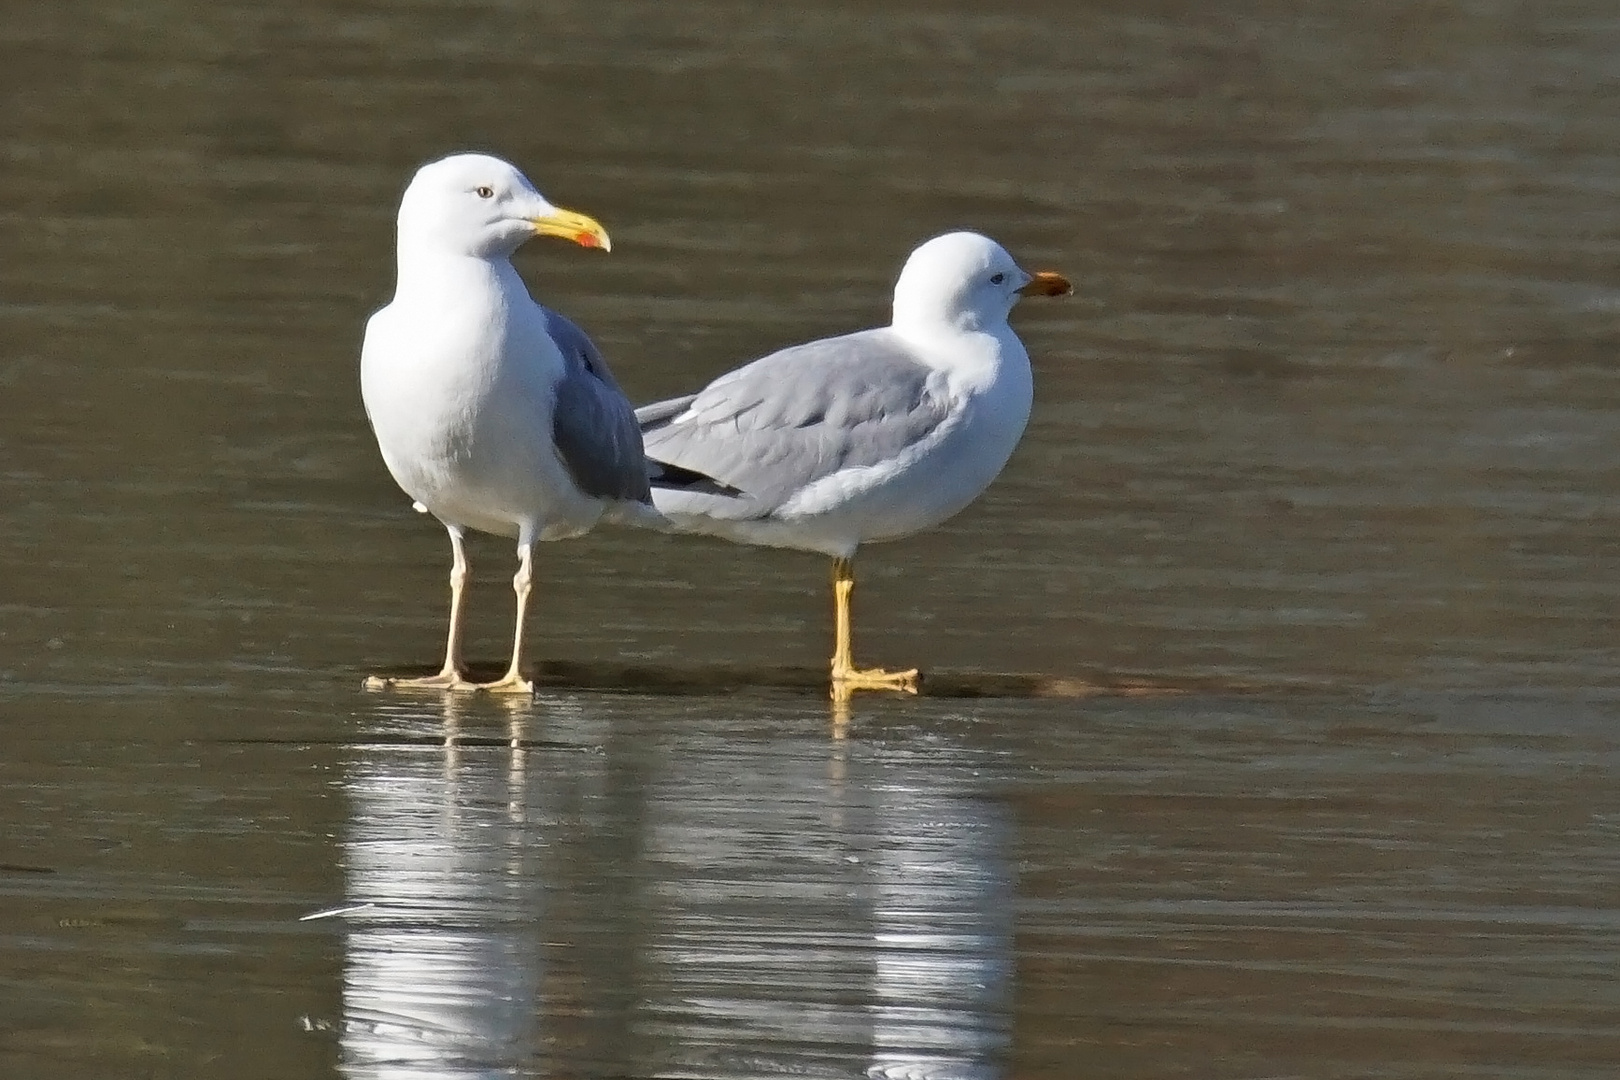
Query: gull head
pixel 967 282
pixel 474 204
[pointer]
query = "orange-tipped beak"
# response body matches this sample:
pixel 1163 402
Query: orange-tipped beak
pixel 1047 283
pixel 569 225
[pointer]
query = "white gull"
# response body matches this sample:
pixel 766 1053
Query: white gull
pixel 492 412
pixel 866 437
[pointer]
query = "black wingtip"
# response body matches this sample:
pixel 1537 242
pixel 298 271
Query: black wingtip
pixel 673 477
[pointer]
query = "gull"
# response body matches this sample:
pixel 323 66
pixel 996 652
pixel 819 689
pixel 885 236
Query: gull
pixel 492 412
pixel 866 437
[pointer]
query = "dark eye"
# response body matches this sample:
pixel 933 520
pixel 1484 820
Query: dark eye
pixel 484 192
pixel 997 279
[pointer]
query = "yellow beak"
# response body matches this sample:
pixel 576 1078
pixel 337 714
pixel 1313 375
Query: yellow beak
pixel 1047 283
pixel 569 225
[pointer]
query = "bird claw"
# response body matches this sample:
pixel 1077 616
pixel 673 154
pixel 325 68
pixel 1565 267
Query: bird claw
pixel 452 681
pixel 848 679
pixel 444 680
pixel 508 684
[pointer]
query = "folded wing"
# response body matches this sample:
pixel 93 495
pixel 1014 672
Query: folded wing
pixel 777 425
pixel 593 426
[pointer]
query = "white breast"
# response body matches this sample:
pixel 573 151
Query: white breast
pixel 460 397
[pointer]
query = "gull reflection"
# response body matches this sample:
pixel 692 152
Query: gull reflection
pixel 442 971
pixel 704 897
pixel 856 914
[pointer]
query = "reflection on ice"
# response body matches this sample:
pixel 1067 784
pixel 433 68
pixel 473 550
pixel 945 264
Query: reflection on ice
pixel 441 973
pixel 941 978
pixel 682 902
pixel 858 911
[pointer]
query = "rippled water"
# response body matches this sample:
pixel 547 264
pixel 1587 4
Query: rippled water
pixel 1332 422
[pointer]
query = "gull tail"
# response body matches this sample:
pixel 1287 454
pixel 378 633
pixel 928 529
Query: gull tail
pixel 661 474
pixel 664 477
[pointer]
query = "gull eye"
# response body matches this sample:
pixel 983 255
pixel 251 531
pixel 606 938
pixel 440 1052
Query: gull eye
pixel 997 279
pixel 484 192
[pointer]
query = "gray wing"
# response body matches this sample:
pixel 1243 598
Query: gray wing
pixel 795 416
pixel 593 425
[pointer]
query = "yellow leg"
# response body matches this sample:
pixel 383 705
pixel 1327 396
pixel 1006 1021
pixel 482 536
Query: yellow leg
pixel 450 676
pixel 845 675
pixel 513 681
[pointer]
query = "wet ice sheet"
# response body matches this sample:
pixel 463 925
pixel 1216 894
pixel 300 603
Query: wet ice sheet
pixel 1335 403
pixel 713 889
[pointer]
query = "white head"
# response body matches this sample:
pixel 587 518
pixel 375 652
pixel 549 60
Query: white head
pixel 966 281
pixel 474 204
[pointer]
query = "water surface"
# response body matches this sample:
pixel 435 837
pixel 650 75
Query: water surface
pixel 1332 415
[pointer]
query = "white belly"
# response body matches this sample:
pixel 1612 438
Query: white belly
pixel 908 496
pixel 469 436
